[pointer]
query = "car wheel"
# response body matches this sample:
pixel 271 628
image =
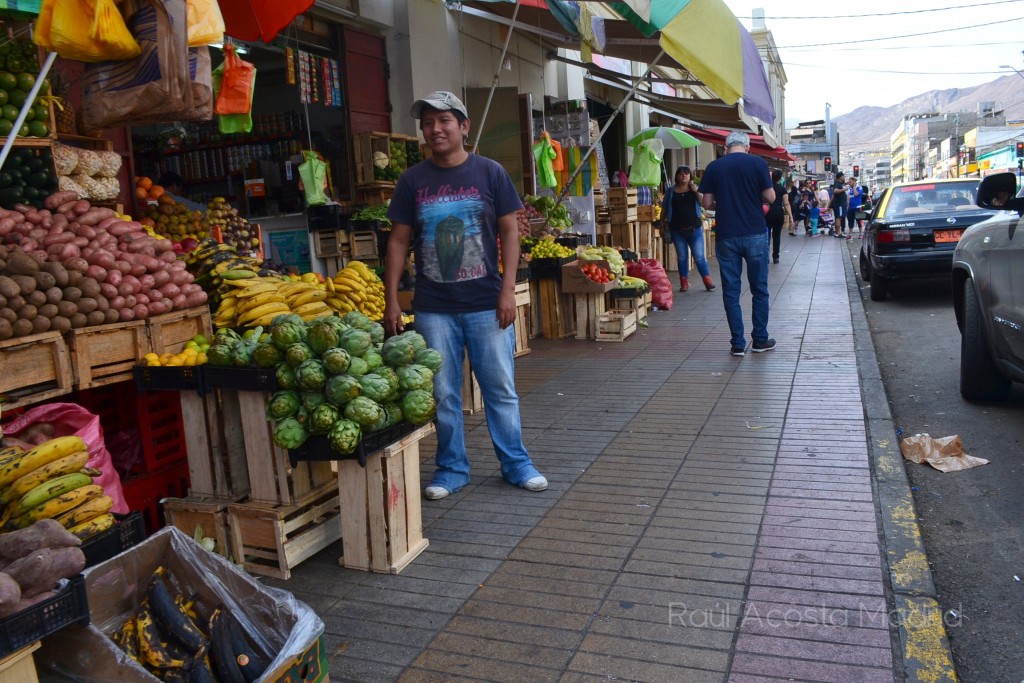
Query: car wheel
pixel 865 272
pixel 980 379
pixel 879 286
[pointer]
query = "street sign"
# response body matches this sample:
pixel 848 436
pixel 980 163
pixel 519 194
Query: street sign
pixel 829 178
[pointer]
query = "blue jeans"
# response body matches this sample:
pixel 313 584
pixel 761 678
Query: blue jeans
pixel 731 254
pixel 695 241
pixel 490 354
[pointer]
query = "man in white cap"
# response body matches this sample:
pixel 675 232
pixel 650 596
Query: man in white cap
pixel 453 208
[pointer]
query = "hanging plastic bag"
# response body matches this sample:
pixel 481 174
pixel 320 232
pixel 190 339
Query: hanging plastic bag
pixel 646 170
pixel 229 124
pixel 68 419
pixel 202 85
pixel 85 31
pixel 205 23
pixel 313 172
pixel 653 272
pixel 237 83
pixel 544 154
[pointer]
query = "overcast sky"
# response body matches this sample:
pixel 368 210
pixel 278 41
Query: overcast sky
pixel 832 53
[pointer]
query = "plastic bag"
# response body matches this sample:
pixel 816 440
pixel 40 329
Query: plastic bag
pixel 651 270
pixel 313 172
pixel 205 23
pixel 230 123
pixel 945 453
pixel 85 31
pixel 68 419
pixel 646 170
pixel 544 154
pixel 238 78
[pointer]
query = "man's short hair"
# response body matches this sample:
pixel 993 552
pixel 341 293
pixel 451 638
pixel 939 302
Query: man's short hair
pixel 737 138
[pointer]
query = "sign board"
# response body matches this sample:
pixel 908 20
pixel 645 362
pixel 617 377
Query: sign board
pixel 255 187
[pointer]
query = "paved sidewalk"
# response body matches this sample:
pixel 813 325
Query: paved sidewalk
pixel 710 518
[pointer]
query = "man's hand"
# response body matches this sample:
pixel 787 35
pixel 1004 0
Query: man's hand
pixel 393 319
pixel 506 308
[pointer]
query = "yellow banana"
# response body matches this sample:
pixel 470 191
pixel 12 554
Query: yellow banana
pixel 30 480
pixel 265 320
pixel 329 283
pixel 50 489
pixel 86 511
pixel 39 456
pixel 260 299
pixel 315 307
pixel 253 290
pixel 262 311
pixel 290 288
pixel 307 298
pixel 93 526
pixel 242 284
pixel 55 507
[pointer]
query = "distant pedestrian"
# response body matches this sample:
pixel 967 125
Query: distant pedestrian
pixel 814 215
pixel 776 215
pixel 735 186
pixel 839 202
pixel 856 200
pixel 681 213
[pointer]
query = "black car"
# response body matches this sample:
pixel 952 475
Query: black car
pixel 914 228
pixel 988 294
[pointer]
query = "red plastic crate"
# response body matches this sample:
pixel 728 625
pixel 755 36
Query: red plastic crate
pixel 144 493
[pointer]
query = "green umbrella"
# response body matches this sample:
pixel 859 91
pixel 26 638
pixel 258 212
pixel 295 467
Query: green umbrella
pixel 673 138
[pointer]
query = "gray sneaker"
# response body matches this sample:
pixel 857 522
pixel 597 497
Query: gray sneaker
pixel 538 483
pixel 435 492
pixel 762 346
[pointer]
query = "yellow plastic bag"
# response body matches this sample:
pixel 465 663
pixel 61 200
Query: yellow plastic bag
pixel 86 31
pixel 205 23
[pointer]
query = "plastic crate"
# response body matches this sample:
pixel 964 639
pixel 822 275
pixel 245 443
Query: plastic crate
pixel 144 493
pixel 161 429
pixel 522 274
pixel 155 378
pixel 239 379
pixel 127 532
pixel 628 292
pixel 575 240
pixel 69 606
pixel 548 268
pixel 318 448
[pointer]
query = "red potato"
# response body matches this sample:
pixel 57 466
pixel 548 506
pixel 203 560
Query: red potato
pixel 55 249
pixel 130 301
pixel 81 207
pixel 107 222
pixel 98 273
pixel 68 208
pixel 140 311
pixel 79 264
pixel 80 242
pixel 122 265
pixel 161 277
pixel 168 257
pixel 178 301
pixel 170 290
pixel 197 298
pixel 117 302
pixel 86 231
pixel 18 218
pixel 141 298
pixel 137 269
pixel 125 288
pixel 56 237
pixel 101 257
pixel 60 221
pixel 108 290
pixel 114 277
pixel 29 244
pixel 146 282
pixel 34 217
pixel 134 282
pixel 125 314
pixel 23 208
pixel 119 228
pixel 58 198
pixel 163 245
pixel 157 307
pixel 38 234
pixel 94 216
pixel 71 251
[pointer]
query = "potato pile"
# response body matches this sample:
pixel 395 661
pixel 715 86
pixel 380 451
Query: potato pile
pixel 33 560
pixel 70 265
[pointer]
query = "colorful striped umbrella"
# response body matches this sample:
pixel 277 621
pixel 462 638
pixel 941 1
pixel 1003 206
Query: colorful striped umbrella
pixel 672 138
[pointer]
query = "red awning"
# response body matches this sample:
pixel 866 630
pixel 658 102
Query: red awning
pixel 758 146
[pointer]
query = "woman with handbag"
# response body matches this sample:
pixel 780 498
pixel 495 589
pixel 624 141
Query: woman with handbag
pixel 681 217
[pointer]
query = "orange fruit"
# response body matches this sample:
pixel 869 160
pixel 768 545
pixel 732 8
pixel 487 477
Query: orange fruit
pixel 165 199
pixel 140 193
pixel 144 182
pixel 155 192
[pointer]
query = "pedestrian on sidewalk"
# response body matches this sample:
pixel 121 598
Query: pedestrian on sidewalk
pixel 856 200
pixel 681 215
pixel 735 186
pixel 452 209
pixel 839 204
pixel 777 212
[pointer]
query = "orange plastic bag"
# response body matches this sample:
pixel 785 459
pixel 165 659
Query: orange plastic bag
pixel 205 23
pixel 235 96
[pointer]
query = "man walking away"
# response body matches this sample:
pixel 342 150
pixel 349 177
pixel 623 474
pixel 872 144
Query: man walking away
pixel 776 215
pixel 735 186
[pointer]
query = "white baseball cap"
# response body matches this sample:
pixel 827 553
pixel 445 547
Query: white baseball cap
pixel 441 100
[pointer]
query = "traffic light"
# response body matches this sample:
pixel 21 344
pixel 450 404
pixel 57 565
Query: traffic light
pixel 1020 150
pixel 856 171
pixel 828 160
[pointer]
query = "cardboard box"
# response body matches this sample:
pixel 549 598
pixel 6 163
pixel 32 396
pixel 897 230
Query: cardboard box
pixel 575 282
pixel 284 626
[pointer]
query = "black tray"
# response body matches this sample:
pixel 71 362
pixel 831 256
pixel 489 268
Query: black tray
pixel 548 268
pixel 70 605
pixel 573 241
pixel 172 378
pixel 319 448
pixel 357 224
pixel 628 292
pixel 129 531
pixel 239 379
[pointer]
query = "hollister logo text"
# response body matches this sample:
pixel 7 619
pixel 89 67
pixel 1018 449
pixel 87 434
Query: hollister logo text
pixel 445 194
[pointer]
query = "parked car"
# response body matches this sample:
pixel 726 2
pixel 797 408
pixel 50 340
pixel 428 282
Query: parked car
pixel 988 294
pixel 914 228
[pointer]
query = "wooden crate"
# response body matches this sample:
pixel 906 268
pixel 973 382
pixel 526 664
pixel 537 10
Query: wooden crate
pixel 536 322
pixel 330 243
pixel 622 214
pixel 273 539
pixel 522 322
pixel 589 309
pixel 215 444
pixel 382 521
pixel 169 332
pixel 211 514
pixel 604 227
pixel 375 193
pixel 34 368
pixel 622 196
pixel 557 309
pixel 616 325
pixel 105 354
pixel 604 240
pixel 362 245
pixel 364 145
pixel 645 240
pixel 626 234
pixel 645 213
pixel 640 304
pixel 272 480
pixel 670 261
pixel 20 666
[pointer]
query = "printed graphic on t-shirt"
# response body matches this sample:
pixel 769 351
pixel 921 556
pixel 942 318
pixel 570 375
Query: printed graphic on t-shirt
pixel 451 239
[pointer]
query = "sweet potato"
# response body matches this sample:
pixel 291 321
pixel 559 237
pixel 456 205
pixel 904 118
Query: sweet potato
pixel 46 533
pixel 43 569
pixel 10 592
pixel 58 198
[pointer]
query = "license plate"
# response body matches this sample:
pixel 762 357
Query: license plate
pixel 947 236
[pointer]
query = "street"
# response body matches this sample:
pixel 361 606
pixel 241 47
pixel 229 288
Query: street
pixel 970 520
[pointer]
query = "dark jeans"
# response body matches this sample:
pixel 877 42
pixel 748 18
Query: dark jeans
pixel 732 254
pixel 776 223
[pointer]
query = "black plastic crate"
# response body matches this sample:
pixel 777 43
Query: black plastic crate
pixel 168 378
pixel 127 532
pixel 548 268
pixel 327 217
pixel 522 274
pixel 69 606
pixel 357 224
pixel 628 292
pixel 239 379
pixel 319 448
pixel 575 240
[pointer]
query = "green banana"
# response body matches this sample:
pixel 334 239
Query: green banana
pixel 51 489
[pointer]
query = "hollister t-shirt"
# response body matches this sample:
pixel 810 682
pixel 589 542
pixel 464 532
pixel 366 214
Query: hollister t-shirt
pixel 454 215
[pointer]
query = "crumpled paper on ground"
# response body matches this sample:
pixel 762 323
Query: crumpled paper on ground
pixel 945 454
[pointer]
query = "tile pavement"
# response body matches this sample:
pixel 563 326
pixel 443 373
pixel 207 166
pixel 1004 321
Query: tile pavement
pixel 710 518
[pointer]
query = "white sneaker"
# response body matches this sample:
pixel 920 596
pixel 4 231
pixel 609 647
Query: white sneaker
pixel 538 483
pixel 439 492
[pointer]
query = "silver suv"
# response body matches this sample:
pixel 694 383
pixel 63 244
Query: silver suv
pixel 988 293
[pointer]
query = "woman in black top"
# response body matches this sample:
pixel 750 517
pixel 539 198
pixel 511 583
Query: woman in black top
pixel 679 213
pixel 776 216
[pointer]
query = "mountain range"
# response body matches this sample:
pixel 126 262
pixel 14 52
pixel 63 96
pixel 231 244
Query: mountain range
pixel 869 128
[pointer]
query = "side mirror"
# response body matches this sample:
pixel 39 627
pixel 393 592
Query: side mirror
pixel 999 192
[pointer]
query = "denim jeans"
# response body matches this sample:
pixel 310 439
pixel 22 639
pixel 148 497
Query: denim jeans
pixel 695 241
pixel 490 354
pixel 731 254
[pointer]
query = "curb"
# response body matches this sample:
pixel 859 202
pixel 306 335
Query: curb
pixel 923 649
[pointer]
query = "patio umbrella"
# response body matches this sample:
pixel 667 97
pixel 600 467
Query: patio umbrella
pixel 260 19
pixel 672 138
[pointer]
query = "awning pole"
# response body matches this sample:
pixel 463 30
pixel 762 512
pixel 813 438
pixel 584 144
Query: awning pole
pixel 497 75
pixel 593 143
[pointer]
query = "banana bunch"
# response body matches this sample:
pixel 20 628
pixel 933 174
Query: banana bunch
pixel 215 266
pixel 255 302
pixel 169 636
pixel 51 481
pixel 356 288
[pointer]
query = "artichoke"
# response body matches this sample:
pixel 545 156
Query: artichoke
pixel 355 341
pixel 321 337
pixel 398 350
pixel 311 399
pixel 418 342
pixel 283 404
pixel 373 359
pixel 341 389
pixel 293 318
pixel 357 320
pixel 418 406
pixel 220 355
pixel 285 377
pixel 376 332
pixel 241 353
pixel 310 375
pixel 358 367
pixel 266 355
pixel 394 413
pixel 336 361
pixel 286 334
pixel 289 434
pixel 364 411
pixel 322 418
pixel 415 377
pixel 390 375
pixel 298 353
pixel 430 358
pixel 344 436
pixel 375 387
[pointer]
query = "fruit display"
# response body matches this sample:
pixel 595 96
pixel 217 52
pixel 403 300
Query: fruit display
pixel 176 222
pixel 545 247
pixel 210 260
pixel 146 189
pixel 36 558
pixel 609 254
pixel 356 288
pixel 382 168
pixel 27 178
pixel 556 215
pixel 88 173
pixel 235 229
pixel 71 265
pixel 180 638
pixel 194 353
pixel 19 67
pixel 397 162
pixel 524 216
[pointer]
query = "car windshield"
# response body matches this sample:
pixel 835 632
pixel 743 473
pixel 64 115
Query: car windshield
pixel 926 198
